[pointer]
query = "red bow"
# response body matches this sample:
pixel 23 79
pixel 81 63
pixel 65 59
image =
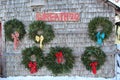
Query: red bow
pixel 59 57
pixel 93 65
pixel 33 67
pixel 15 36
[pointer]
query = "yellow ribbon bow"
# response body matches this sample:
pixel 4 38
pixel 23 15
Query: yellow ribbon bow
pixel 39 39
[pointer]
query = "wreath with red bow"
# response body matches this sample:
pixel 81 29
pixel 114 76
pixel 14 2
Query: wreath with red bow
pixel 14 31
pixel 93 58
pixel 32 58
pixel 60 60
pixel 12 26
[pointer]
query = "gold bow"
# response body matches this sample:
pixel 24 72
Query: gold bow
pixel 39 39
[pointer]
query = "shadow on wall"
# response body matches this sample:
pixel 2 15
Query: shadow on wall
pixel 0 66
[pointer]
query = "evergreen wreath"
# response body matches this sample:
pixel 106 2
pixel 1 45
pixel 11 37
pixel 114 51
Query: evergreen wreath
pixel 12 26
pixel 93 54
pixel 60 66
pixel 28 52
pixel 41 28
pixel 99 22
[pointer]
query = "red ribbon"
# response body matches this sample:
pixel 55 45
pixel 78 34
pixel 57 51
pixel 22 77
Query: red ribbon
pixel 93 65
pixel 33 67
pixel 59 57
pixel 15 36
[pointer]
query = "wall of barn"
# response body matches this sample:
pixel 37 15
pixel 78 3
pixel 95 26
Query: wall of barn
pixel 68 34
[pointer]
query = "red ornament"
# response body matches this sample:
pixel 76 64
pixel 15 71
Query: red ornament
pixel 93 65
pixel 33 67
pixel 15 36
pixel 59 56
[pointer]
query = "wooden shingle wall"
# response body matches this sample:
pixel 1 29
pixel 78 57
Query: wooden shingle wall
pixel 68 34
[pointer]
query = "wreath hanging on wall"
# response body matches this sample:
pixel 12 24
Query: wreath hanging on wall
pixel 14 31
pixel 41 32
pixel 32 58
pixel 99 29
pixel 93 58
pixel 60 60
pixel 12 26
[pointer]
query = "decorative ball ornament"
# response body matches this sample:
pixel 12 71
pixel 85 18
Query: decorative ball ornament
pixel 99 29
pixel 32 59
pixel 93 58
pixel 41 32
pixel 60 60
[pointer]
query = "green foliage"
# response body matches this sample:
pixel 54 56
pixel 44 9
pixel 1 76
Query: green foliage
pixel 96 53
pixel 60 68
pixel 14 25
pixel 28 52
pixel 41 28
pixel 97 22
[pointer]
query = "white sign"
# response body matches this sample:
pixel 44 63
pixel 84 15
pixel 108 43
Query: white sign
pixel 116 2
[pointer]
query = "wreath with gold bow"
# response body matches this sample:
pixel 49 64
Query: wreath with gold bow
pixel 99 29
pixel 60 60
pixel 41 32
pixel 93 58
pixel 32 59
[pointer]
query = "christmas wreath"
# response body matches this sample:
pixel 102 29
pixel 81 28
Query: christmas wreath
pixel 60 60
pixel 12 26
pixel 93 58
pixel 14 31
pixel 99 29
pixel 41 32
pixel 32 58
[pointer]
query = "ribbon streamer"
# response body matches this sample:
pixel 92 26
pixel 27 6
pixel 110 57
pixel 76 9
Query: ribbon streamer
pixel 39 39
pixel 33 67
pixel 93 65
pixel 100 38
pixel 15 36
pixel 59 57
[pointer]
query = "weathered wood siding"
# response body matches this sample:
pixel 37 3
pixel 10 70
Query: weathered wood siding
pixel 68 34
